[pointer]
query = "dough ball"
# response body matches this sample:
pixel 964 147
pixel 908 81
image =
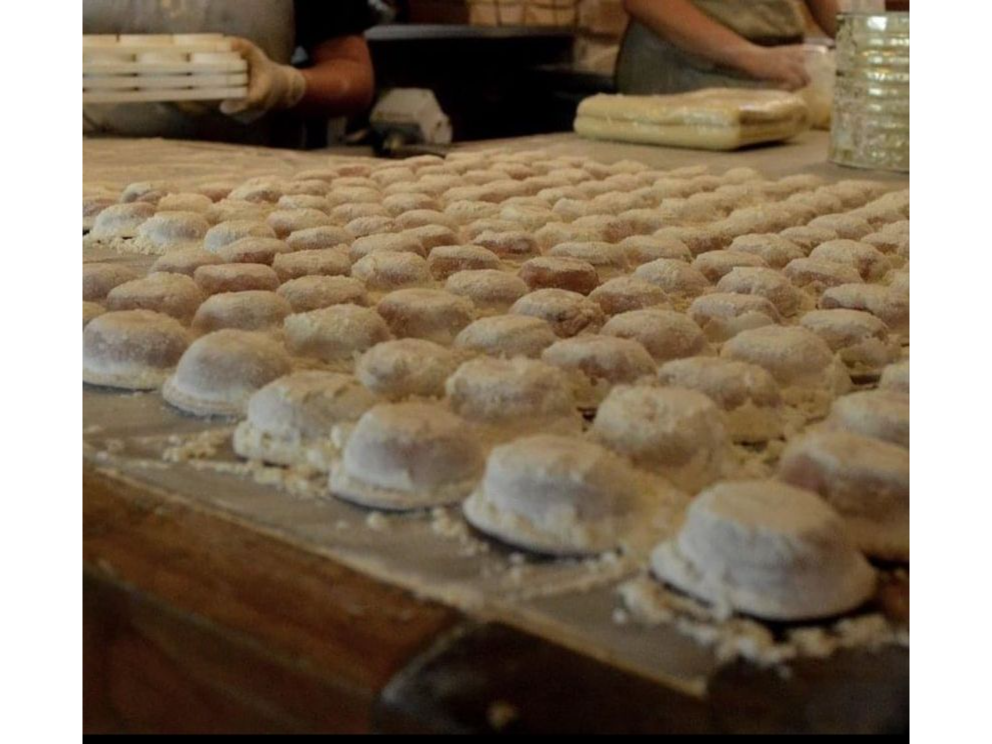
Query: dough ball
pixel 715 265
pixel 607 259
pixel 132 349
pixel 675 277
pixel 510 244
pixel 335 335
pixel 642 249
pixel 253 250
pixel 807 238
pixel 432 314
pixel 883 302
pixel 121 220
pixel 171 294
pixel 596 363
pixel 490 290
pixel 185 261
pixel 315 262
pixel 390 243
pixel 775 250
pixel 568 313
pixel 845 225
pixel 100 278
pixel 314 292
pixel 666 334
pixel 766 283
pixel 859 338
pixel 407 368
pixel 445 260
pixel 626 293
pixel 549 272
pixel 506 336
pixel 235 277
pixel 868 261
pixel 252 310
pixel 722 315
pixel 895 378
pixel 880 414
pixel 386 271
pixel 230 231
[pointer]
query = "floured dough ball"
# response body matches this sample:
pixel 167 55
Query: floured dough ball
pixel 675 432
pixel 316 262
pixel 314 292
pixel 92 310
pixel 766 283
pixel 386 271
pixel 509 244
pixel 93 204
pixel 549 272
pixel 316 238
pixel 407 368
pixel 185 261
pixel 880 414
pixel 144 191
pixel 714 265
pixel 235 277
pixel 421 217
pixel 507 398
pixel 810 374
pixel 387 176
pixel 352 194
pixel 100 278
pixel 121 220
pixel 258 190
pixel 865 480
pixel 489 225
pixel 132 349
pixel 219 372
pixel 252 310
pixel 775 250
pixel 490 290
pixel 568 313
pixel 464 212
pixel 596 363
pixel 765 549
pixel 371 225
pixel 228 232
pixel 294 420
pixel 894 246
pixel 229 210
pixel 342 214
pixel 722 315
pixel 446 260
pixel 433 314
pixel 666 334
pixel 807 238
pixel 506 336
pixel 895 378
pixel 641 249
pixel 559 495
pixel 390 243
pixel 748 396
pixel 626 293
pixel 697 238
pixel 171 294
pixel 431 236
pixel 303 201
pixel 562 232
pixel 676 278
pixel 404 456
pixel 885 303
pixel 528 216
pixel 335 335
pixel 845 225
pixel 870 264
pixel 253 250
pixel 607 259
pixel 167 230
pixel 816 275
pixel 859 338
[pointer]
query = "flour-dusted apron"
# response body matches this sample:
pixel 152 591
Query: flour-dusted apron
pixel 649 64
pixel 268 23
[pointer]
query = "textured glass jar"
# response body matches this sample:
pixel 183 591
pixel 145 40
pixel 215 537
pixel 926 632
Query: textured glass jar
pixel 925 75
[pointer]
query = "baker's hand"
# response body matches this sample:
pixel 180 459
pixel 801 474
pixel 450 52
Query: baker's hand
pixel 271 86
pixel 785 66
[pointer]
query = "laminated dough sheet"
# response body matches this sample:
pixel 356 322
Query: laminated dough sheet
pixel 711 119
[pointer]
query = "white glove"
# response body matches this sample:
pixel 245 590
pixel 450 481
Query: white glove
pixel 271 86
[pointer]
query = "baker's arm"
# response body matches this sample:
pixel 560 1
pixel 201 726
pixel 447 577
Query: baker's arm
pixel 687 27
pixel 824 12
pixel 341 80
pixel 339 83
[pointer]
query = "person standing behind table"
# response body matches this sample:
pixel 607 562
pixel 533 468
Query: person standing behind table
pixel 338 81
pixel 675 46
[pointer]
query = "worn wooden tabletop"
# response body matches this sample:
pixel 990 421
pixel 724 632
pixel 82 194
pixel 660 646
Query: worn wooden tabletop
pixel 196 621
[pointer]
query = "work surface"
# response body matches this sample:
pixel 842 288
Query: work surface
pixel 253 607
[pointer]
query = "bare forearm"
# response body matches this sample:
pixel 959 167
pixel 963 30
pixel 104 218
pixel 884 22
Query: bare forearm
pixel 690 29
pixel 825 14
pixel 341 81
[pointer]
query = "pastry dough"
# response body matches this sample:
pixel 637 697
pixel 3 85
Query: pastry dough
pixel 235 277
pixel 132 349
pixel 710 119
pixel 551 272
pixel 219 372
pixel 507 336
pixel 335 335
pixel 407 368
pixel 252 310
pixel 314 292
pixel 426 313
pixel 665 334
pixel 445 260
pixel 569 313
pixel 404 456
pixel 564 496
pixel 311 262
pixel 722 315
pixel 490 290
pixel 173 294
pixel 596 363
pixel 294 420
pixel 626 293
pixel 766 549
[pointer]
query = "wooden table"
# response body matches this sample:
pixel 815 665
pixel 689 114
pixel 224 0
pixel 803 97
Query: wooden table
pixel 198 619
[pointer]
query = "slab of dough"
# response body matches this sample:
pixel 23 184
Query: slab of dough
pixel 710 119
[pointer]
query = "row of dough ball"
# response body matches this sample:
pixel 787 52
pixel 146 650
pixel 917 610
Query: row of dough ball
pixel 680 433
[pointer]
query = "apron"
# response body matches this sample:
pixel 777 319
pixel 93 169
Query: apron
pixel 270 24
pixel 649 64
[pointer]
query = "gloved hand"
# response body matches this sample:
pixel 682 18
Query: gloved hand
pixel 271 86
